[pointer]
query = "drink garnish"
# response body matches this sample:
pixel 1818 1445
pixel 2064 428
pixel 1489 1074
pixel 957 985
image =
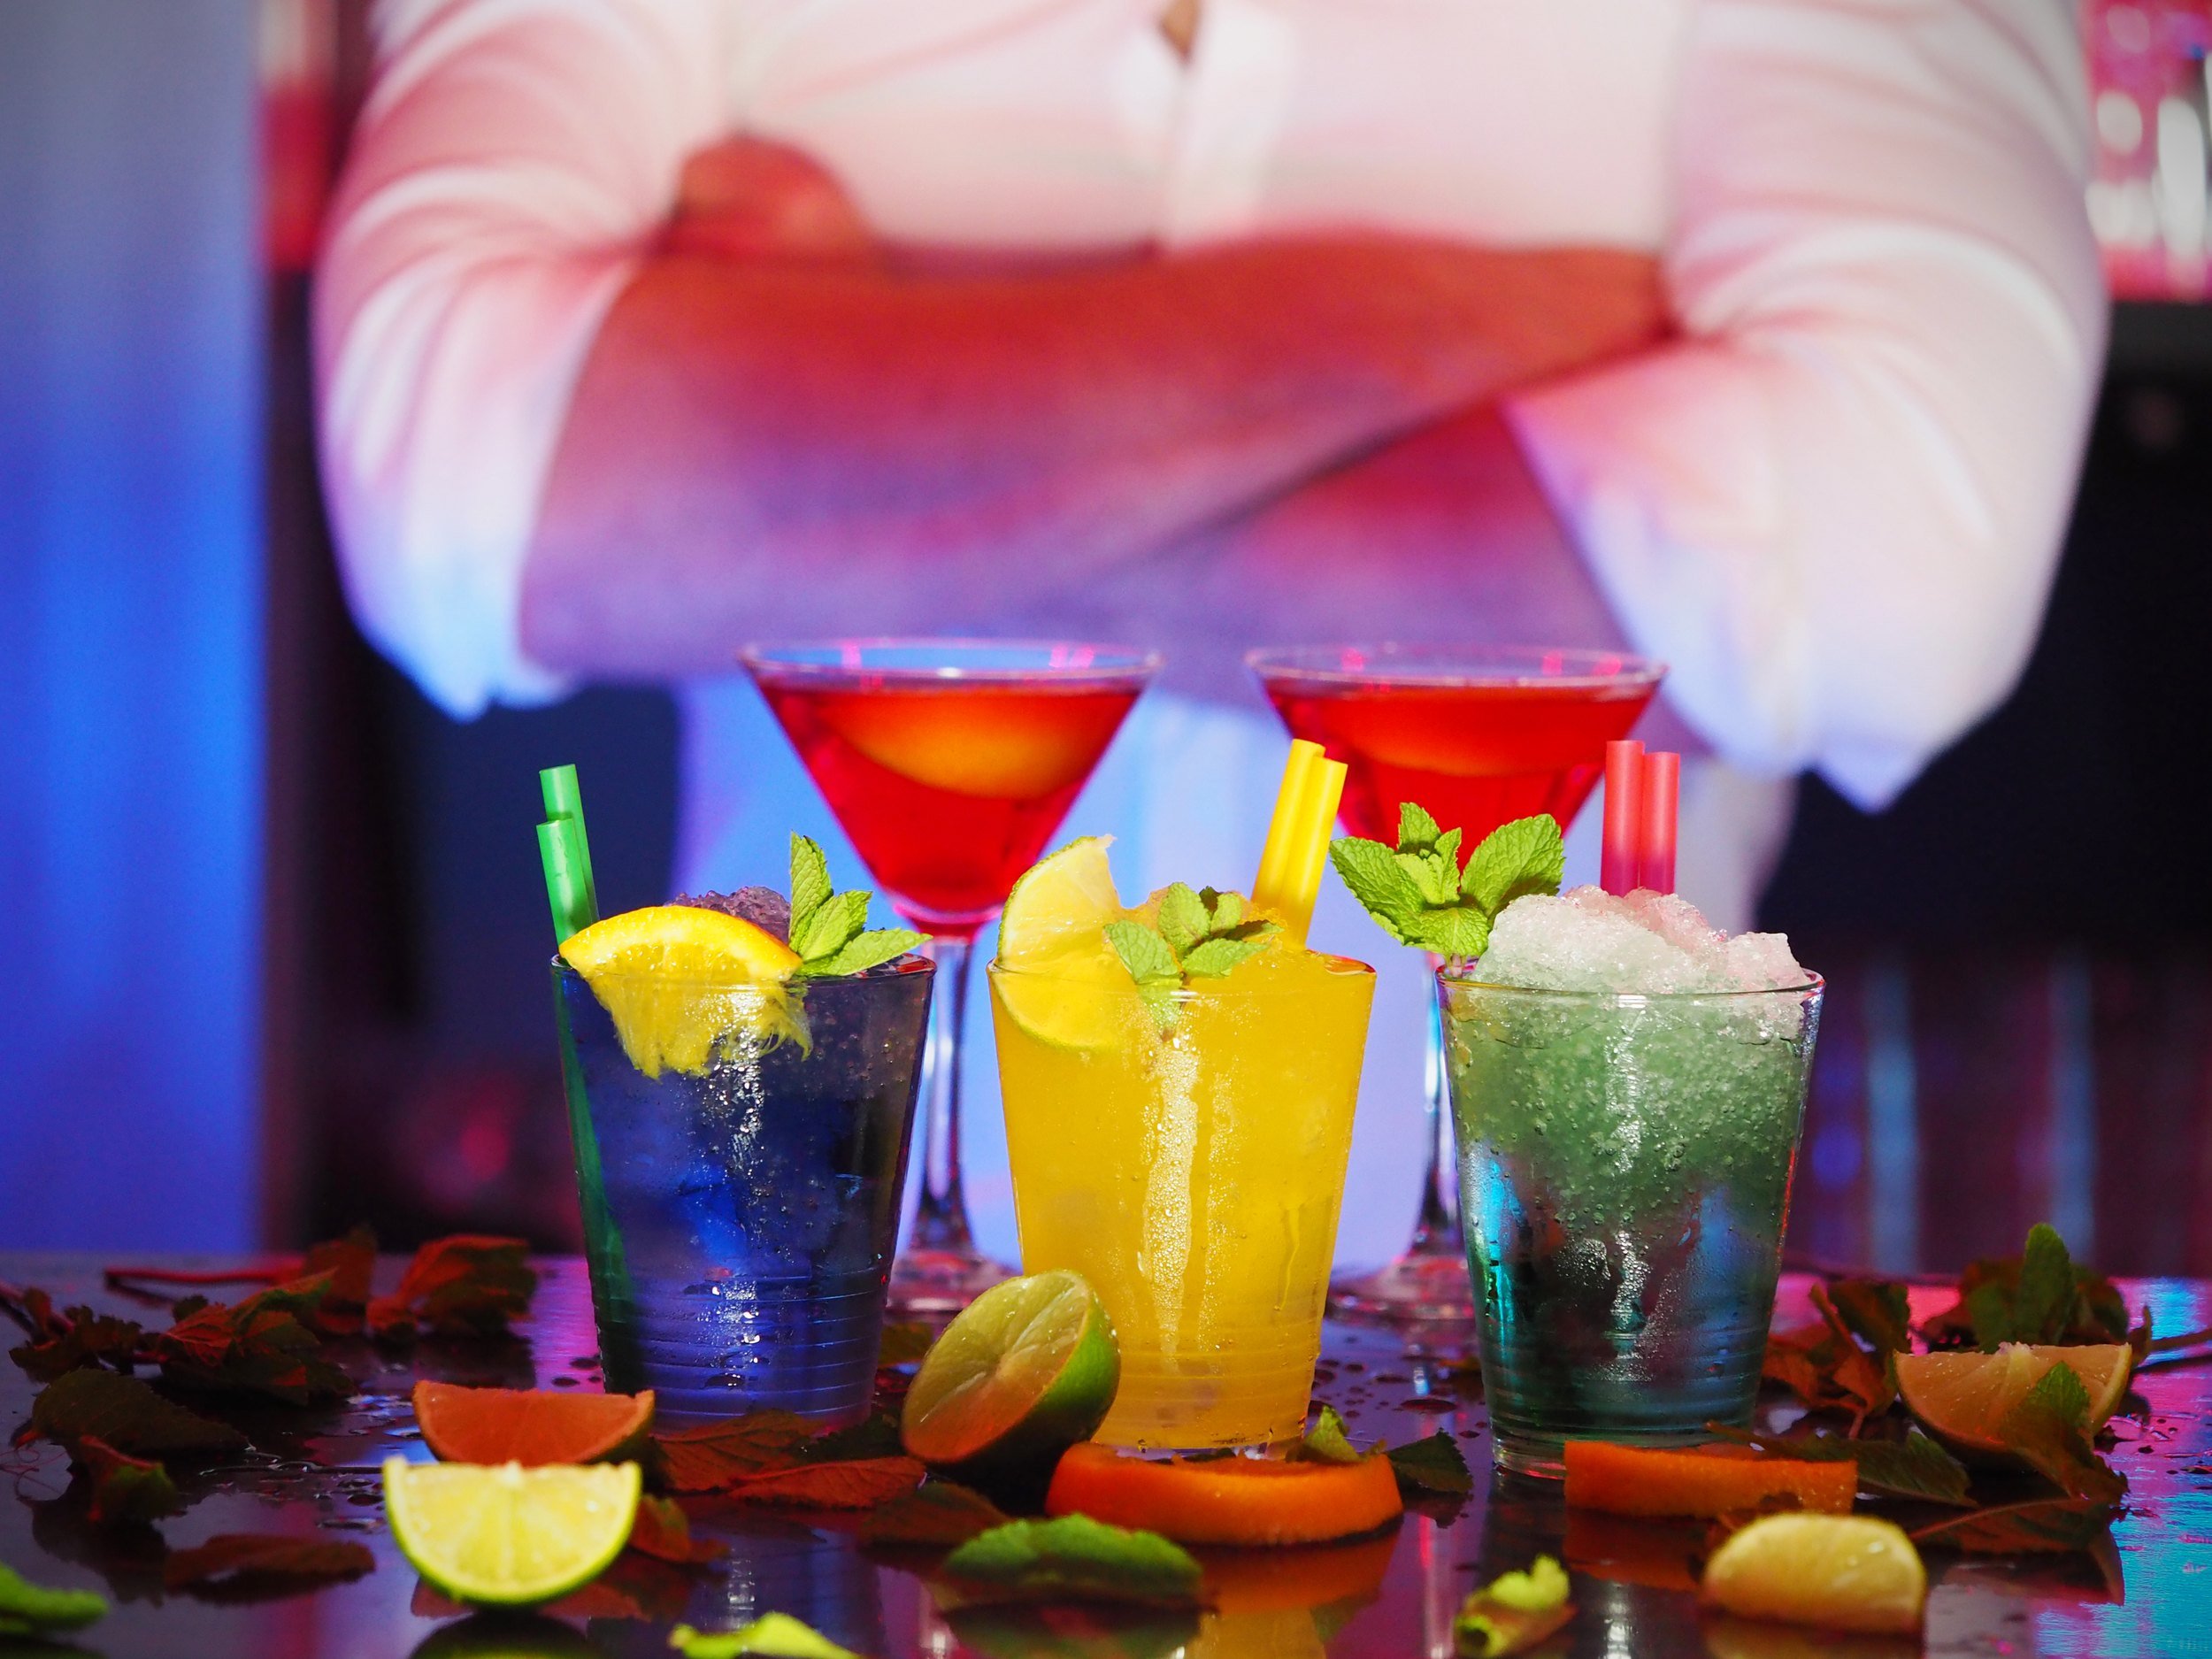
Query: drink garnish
pixel 1200 933
pixel 770 1636
pixel 1326 1441
pixel 507 1536
pixel 829 930
pixel 1513 1612
pixel 1073 1557
pixel 28 1608
pixel 1289 879
pixel 530 1426
pixel 1849 1572
pixel 1234 1500
pixel 1419 896
pixel 1707 1480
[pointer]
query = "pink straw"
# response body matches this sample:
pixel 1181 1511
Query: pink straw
pixel 1622 861
pixel 1661 794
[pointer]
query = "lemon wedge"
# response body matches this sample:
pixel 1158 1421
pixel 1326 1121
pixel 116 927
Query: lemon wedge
pixel 684 985
pixel 1056 977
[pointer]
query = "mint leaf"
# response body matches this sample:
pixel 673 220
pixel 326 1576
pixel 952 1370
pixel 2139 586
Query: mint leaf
pixel 937 1515
pixel 1183 919
pixel 830 925
pixel 770 1636
pixel 1369 871
pixel 1876 1310
pixel 126 1490
pixel 1144 953
pixel 1215 957
pixel 2040 1525
pixel 1078 1558
pixel 1326 1441
pixel 1434 1465
pixel 1224 910
pixel 863 952
pixel 810 881
pixel 2063 1393
pixel 2043 1305
pixel 1914 1467
pixel 1458 933
pixel 28 1608
pixel 1417 832
pixel 127 1414
pixel 1527 857
pixel 2045 1431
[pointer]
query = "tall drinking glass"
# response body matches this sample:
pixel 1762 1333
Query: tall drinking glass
pixel 948 763
pixel 1189 1162
pixel 1479 736
pixel 739 1222
pixel 1625 1166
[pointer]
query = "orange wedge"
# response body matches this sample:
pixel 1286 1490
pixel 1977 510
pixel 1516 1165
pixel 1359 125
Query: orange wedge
pixel 530 1426
pixel 1704 1481
pixel 1227 1499
pixel 1963 1398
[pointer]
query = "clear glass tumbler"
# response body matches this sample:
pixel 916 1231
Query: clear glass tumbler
pixel 1189 1162
pixel 1624 1165
pixel 739 1224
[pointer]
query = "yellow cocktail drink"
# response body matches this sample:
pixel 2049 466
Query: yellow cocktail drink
pixel 1183 1147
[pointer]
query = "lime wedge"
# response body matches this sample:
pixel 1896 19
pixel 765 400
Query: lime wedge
pixel 1029 1368
pixel 1060 981
pixel 1963 1398
pixel 507 1536
pixel 685 985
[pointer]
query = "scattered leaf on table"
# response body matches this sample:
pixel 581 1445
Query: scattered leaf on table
pixel 31 1610
pixel 125 1489
pixel 938 1514
pixel 1513 1612
pixel 662 1530
pixel 2040 1525
pixel 128 1414
pixel 1823 1365
pixel 1073 1557
pixel 875 1435
pixel 1914 1467
pixel 349 1264
pixel 462 1285
pixel 1434 1465
pixel 249 1566
pixel 76 1339
pixel 905 1342
pixel 1876 1310
pixel 772 1636
pixel 717 1455
pixel 862 1484
pixel 265 1344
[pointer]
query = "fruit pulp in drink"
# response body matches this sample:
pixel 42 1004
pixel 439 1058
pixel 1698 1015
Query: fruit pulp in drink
pixel 1193 1173
pixel 949 788
pixel 739 1222
pixel 1625 1169
pixel 1475 755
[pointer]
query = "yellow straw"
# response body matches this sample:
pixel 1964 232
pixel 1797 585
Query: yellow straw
pixel 1297 847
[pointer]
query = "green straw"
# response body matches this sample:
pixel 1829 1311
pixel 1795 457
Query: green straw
pixel 566 855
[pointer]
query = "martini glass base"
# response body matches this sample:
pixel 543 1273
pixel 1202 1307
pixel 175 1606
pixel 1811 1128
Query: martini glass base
pixel 927 1283
pixel 1425 1286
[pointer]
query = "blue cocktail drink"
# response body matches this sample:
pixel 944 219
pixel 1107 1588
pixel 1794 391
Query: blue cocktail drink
pixel 741 1203
pixel 1624 1160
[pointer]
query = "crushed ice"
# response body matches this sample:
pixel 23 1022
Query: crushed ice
pixel 1590 939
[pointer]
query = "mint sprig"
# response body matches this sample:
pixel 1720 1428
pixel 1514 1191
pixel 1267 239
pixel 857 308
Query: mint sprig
pixel 1200 932
pixel 829 930
pixel 1418 894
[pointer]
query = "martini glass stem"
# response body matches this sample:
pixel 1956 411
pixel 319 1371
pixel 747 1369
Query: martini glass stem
pixel 1436 1232
pixel 940 1213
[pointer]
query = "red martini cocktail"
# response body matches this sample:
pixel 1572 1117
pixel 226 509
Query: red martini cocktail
pixel 1479 735
pixel 948 763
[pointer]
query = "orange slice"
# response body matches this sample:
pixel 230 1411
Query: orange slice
pixel 530 1426
pixel 1704 1481
pixel 1227 1499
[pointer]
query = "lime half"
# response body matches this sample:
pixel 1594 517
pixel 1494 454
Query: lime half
pixel 1026 1372
pixel 1060 981
pixel 506 1536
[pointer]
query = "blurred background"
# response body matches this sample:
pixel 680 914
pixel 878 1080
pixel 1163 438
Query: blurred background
pixel 278 927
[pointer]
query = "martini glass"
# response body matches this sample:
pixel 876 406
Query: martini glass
pixel 1479 736
pixel 948 763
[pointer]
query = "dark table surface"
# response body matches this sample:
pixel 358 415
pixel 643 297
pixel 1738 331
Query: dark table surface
pixel 316 1473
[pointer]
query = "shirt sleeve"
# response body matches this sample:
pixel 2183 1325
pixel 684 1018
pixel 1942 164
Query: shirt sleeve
pixel 513 161
pixel 1834 505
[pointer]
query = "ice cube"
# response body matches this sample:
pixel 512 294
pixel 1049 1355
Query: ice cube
pixel 1762 962
pixel 1588 940
pixel 764 907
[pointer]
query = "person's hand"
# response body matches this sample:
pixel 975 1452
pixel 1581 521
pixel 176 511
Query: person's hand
pixel 753 199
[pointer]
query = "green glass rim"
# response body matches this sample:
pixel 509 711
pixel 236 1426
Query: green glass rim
pixel 1813 984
